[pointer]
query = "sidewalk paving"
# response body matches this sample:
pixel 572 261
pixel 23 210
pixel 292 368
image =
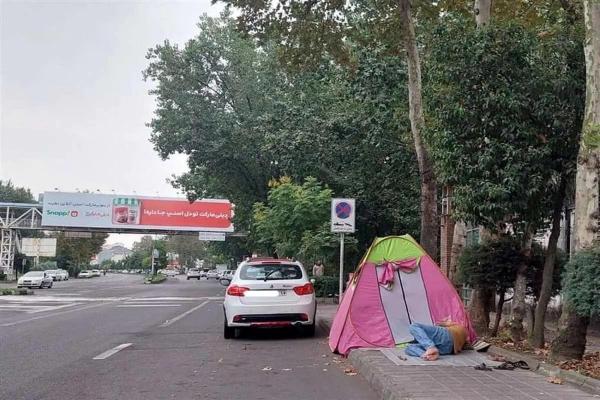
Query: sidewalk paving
pixel 449 382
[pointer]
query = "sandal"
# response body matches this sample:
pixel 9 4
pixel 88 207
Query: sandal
pixel 507 366
pixel 482 367
pixel 521 364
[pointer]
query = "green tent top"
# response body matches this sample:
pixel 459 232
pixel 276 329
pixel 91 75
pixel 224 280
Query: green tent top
pixel 393 248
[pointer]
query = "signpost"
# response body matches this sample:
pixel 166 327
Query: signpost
pixel 342 221
pixel 155 254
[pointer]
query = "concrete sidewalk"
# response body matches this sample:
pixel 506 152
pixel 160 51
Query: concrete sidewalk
pixel 395 381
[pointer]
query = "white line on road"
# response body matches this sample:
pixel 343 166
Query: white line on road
pixel 112 351
pixel 148 305
pixel 177 318
pixel 52 315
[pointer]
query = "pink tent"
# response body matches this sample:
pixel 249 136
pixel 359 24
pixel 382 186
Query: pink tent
pixel 396 284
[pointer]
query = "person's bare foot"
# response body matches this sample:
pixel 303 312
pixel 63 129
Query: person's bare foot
pixel 431 354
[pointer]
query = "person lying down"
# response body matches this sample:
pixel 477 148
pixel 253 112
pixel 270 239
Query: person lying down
pixel 432 341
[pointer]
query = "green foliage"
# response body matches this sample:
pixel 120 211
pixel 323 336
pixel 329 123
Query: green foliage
pixel 506 110
pixel 490 264
pixel 292 213
pixel 257 121
pixel 74 254
pixel 10 193
pixel 493 264
pixel 326 286
pixel 581 284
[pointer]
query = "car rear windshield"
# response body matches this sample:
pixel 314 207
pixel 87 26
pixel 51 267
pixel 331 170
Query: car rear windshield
pixel 35 273
pixel 270 272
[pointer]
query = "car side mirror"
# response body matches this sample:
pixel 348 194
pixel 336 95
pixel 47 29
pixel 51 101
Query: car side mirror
pixel 313 280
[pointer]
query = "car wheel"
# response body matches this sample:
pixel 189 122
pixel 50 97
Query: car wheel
pixel 41 285
pixel 309 330
pixel 228 332
pixel 188 278
pixel 50 285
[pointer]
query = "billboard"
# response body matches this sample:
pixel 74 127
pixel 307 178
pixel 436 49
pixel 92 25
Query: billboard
pixel 90 210
pixel 38 247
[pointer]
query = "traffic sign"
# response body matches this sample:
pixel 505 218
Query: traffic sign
pixel 212 236
pixel 343 215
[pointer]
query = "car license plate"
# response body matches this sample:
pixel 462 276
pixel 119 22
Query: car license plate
pixel 283 292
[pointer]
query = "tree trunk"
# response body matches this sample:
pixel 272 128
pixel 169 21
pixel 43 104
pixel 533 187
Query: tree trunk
pixel 570 342
pixel 499 308
pixel 519 306
pixel 483 11
pixel 459 239
pixel 479 310
pixel 537 337
pixel 429 212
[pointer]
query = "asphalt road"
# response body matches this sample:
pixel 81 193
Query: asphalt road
pixel 114 338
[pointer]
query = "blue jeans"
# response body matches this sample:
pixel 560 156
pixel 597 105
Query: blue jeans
pixel 429 336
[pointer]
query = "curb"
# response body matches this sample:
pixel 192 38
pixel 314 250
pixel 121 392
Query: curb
pixel 583 382
pixel 375 375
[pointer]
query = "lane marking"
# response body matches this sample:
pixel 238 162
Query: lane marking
pixel 148 305
pixel 51 315
pixel 112 351
pixel 177 318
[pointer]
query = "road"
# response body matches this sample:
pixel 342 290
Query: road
pixel 115 338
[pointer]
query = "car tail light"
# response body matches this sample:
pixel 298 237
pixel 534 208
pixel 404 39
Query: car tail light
pixel 236 290
pixel 304 289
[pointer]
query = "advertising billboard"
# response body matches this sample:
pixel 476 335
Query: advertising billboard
pixel 90 210
pixel 38 247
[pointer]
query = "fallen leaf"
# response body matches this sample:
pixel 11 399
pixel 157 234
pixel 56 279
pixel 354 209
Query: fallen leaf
pixel 220 360
pixel 323 355
pixel 325 369
pixel 286 369
pixel 555 379
pixel 326 363
pixel 267 368
pixel 350 371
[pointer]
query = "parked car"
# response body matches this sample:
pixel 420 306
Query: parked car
pixel 212 274
pixel 52 273
pixel 85 274
pixel 203 272
pixel 193 273
pixel 269 293
pixel 64 274
pixel 96 272
pixel 227 275
pixel 39 279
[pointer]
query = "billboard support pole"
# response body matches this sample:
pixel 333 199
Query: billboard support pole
pixel 341 288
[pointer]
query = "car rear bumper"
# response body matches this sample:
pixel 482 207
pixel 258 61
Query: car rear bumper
pixel 268 315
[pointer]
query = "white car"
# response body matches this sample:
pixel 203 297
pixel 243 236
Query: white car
pixel 52 273
pixel 96 272
pixel 85 274
pixel 269 293
pixel 213 273
pixel 227 275
pixel 64 275
pixel 37 279
pixel 193 273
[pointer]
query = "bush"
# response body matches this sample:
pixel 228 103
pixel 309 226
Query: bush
pixel 581 286
pixel 2 276
pixel 6 292
pixel 325 286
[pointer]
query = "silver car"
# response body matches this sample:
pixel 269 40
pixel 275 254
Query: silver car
pixel 39 279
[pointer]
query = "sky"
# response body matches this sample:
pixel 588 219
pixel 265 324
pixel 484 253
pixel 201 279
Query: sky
pixel 73 104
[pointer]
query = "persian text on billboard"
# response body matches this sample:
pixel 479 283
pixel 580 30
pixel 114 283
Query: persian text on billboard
pixel 89 210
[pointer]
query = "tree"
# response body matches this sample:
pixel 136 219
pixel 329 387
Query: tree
pixel 74 253
pixel 503 127
pixel 293 214
pixel 571 339
pixel 10 193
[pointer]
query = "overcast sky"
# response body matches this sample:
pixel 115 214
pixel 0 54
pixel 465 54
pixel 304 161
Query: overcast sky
pixel 73 105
